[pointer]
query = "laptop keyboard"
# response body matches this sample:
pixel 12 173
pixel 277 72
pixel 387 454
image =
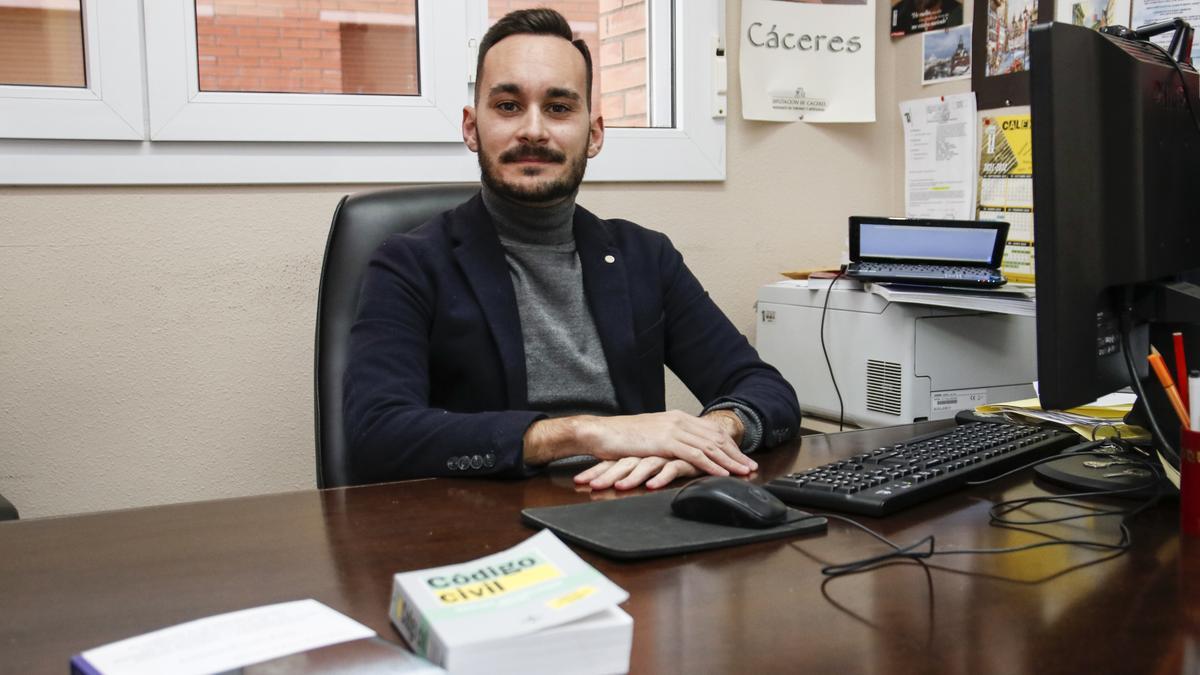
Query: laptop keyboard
pixel 924 273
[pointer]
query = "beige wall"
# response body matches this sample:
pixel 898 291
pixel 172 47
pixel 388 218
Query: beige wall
pixel 156 343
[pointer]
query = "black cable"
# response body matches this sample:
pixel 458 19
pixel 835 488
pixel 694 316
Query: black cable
pixel 1083 449
pixel 1182 81
pixel 918 552
pixel 868 563
pixel 1126 330
pixel 825 351
pixel 1126 319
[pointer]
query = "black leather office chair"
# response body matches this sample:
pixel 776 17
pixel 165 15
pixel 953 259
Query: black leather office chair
pixel 7 510
pixel 360 223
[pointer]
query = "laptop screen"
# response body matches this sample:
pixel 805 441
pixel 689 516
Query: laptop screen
pixel 899 240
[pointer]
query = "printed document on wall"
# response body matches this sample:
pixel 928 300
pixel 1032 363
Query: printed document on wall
pixel 939 157
pixel 1006 185
pixel 808 61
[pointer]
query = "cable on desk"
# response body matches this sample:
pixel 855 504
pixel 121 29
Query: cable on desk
pixel 825 351
pixel 1164 445
pixel 926 547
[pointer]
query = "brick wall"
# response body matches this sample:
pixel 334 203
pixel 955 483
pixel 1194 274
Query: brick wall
pixel 307 46
pixel 623 64
pixel 41 47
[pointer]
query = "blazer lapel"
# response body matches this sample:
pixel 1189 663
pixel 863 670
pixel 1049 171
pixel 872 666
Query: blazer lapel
pixel 481 258
pixel 606 286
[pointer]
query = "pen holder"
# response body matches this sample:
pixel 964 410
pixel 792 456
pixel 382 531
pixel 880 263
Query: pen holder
pixel 1189 482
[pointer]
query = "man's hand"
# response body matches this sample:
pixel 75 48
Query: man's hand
pixel 655 472
pixel 628 473
pixel 703 443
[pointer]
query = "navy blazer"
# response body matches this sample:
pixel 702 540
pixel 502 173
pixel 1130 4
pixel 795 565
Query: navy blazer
pixel 436 382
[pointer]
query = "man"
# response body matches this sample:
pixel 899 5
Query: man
pixel 519 329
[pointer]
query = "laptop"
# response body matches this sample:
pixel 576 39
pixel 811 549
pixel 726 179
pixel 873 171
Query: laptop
pixel 922 251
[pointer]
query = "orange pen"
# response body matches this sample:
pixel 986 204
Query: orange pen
pixel 1181 369
pixel 1168 385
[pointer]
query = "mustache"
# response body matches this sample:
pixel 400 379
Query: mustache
pixel 537 152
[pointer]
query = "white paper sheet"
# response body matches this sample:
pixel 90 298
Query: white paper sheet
pixel 227 641
pixel 808 61
pixel 939 157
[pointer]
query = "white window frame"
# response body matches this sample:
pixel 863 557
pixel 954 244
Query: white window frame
pixel 109 106
pixel 693 150
pixel 179 111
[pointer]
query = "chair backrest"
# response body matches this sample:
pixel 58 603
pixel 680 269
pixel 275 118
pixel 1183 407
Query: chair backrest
pixel 7 510
pixel 361 223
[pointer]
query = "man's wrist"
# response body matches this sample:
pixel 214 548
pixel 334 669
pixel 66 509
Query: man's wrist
pixel 730 422
pixel 550 439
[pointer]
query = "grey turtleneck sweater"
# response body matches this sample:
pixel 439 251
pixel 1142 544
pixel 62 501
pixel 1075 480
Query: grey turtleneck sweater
pixel 564 360
pixel 565 367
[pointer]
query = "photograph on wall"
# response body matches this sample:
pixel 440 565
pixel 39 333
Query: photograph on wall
pixel 1094 14
pixel 946 55
pixel 810 61
pixel 999 47
pixel 1006 186
pixel 1008 23
pixel 918 16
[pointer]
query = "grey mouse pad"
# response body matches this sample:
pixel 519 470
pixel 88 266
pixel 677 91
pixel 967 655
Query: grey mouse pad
pixel 642 527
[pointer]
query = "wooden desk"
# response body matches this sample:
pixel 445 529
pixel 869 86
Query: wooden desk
pixel 68 584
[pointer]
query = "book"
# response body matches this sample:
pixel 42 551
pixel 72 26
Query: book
pixel 804 274
pixel 534 608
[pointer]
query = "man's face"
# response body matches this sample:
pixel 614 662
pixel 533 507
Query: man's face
pixel 532 128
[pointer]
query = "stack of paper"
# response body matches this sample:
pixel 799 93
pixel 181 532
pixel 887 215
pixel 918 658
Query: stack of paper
pixel 535 608
pixel 1102 419
pixel 1016 300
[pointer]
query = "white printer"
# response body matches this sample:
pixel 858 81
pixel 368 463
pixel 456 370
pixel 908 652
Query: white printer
pixel 894 362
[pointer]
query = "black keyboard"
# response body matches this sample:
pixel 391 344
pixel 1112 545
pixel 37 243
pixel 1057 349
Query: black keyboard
pixel 894 477
pixel 946 275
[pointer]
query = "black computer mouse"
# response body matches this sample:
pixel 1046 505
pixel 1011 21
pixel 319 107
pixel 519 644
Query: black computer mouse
pixel 725 500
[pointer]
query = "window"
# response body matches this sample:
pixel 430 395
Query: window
pixel 256 91
pixel 308 47
pixel 280 70
pixel 65 69
pixel 41 43
pixel 618 36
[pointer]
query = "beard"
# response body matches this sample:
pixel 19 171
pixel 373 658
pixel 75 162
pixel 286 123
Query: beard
pixel 550 190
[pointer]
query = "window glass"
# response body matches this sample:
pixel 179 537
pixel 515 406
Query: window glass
pixel 41 43
pixel 616 34
pixel 308 46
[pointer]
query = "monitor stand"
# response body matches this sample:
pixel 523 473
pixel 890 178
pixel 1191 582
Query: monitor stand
pixel 1073 474
pixel 1087 473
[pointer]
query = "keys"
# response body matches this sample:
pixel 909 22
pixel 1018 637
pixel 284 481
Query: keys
pixel 1104 464
pixel 1133 473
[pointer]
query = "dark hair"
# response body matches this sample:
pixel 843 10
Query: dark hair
pixel 539 21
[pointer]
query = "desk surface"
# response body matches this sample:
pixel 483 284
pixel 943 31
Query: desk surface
pixel 68 584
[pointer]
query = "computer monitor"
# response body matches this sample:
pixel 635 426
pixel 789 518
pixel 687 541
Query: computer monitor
pixel 1116 163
